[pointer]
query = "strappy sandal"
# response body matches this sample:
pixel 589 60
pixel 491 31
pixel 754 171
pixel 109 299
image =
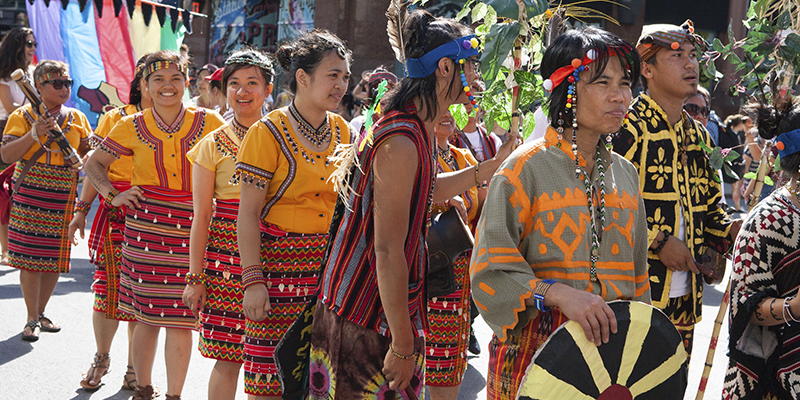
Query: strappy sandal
pixel 100 361
pixel 143 393
pixel 53 328
pixel 129 383
pixel 35 327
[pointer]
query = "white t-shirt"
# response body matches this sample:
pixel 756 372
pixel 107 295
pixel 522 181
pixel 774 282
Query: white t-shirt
pixel 16 94
pixel 681 283
pixel 356 124
pixel 477 144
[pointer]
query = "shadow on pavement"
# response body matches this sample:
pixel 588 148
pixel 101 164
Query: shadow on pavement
pixel 13 348
pixel 121 394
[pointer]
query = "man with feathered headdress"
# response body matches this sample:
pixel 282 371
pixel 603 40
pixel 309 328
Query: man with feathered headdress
pixel 681 196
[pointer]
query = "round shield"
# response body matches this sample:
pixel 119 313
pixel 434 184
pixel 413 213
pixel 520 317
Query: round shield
pixel 645 359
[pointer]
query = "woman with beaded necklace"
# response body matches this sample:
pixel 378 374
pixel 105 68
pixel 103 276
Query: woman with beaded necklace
pixel 105 244
pixel 286 201
pixel 213 286
pixel 158 217
pixel 530 273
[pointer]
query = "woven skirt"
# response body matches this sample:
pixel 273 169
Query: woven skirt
pixel 291 265
pixel 509 360
pixel 155 256
pixel 105 251
pixel 448 336
pixel 222 329
pixel 346 361
pixel 41 211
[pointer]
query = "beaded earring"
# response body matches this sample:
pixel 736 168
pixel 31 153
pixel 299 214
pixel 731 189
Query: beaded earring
pixel 467 44
pixel 572 108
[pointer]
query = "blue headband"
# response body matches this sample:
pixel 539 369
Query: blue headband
pixel 788 143
pixel 460 48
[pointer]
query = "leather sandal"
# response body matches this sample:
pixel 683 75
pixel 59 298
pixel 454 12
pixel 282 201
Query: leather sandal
pixel 129 383
pixel 143 393
pixel 53 328
pixel 100 361
pixel 35 327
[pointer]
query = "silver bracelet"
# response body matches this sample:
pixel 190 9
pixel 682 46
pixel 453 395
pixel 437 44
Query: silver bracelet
pixel 787 309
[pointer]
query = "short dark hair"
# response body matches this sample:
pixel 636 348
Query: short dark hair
pixel 775 119
pixel 575 43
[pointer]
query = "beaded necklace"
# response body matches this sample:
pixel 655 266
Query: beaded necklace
pixel 446 155
pixel 301 149
pixel 239 129
pixel 581 171
pixel 317 136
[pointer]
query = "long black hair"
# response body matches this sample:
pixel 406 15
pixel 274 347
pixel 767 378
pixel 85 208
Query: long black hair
pixel 773 120
pixel 307 51
pixel 575 43
pixel 13 51
pixel 423 33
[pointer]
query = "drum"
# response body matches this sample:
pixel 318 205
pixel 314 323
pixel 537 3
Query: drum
pixel 645 359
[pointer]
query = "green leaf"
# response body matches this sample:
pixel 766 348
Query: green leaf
pixel 459 113
pixel 730 172
pixel 750 175
pixel 768 180
pixel 479 12
pixel 715 158
pixel 509 8
pixel 732 155
pixel 784 21
pixel 529 124
pixel 497 48
pixel 731 39
pixel 464 10
pixel 530 85
pixel 704 146
pixel 717 44
pixel 777 166
pixel 793 42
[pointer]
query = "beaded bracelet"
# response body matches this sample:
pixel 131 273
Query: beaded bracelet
pixel 661 243
pixel 252 275
pixel 539 292
pixel 82 206
pixel 400 356
pixel 110 196
pixel 196 279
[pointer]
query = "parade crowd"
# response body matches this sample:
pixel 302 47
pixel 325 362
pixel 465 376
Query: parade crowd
pixel 238 215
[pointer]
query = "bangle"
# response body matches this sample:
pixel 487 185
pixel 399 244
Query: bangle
pixel 82 206
pixel 252 275
pixel 539 292
pixel 196 279
pixel 110 196
pixel 787 309
pixel 477 168
pixel 400 356
pixel 661 243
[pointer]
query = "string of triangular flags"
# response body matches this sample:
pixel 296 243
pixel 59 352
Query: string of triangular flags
pixel 148 7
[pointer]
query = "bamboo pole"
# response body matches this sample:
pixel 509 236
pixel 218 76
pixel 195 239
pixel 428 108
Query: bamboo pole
pixel 712 347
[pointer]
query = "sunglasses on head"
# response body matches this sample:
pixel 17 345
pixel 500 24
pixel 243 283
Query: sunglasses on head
pixel 31 44
pixel 59 84
pixel 694 110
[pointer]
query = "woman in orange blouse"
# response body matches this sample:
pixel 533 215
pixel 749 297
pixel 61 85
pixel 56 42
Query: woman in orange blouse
pixel 159 214
pixel 38 241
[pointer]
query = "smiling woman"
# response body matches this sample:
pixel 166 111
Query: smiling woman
pixel 154 269
pixel 286 201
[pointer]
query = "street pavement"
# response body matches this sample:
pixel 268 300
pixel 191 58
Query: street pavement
pixel 51 368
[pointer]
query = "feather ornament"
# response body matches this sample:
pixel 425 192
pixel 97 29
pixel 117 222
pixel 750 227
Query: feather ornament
pixel 556 25
pixel 396 15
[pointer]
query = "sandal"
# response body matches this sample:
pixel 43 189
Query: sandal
pixel 129 383
pixel 143 393
pixel 35 327
pixel 4 259
pixel 100 361
pixel 52 328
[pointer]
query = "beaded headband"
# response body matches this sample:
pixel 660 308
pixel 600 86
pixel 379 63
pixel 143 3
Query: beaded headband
pixel 49 76
pixel 382 76
pixel 164 65
pixel 139 69
pixel 788 143
pixel 668 36
pixel 458 49
pixel 254 60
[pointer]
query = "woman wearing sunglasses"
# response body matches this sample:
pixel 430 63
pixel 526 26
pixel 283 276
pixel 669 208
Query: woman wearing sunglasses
pixel 43 203
pixel 19 48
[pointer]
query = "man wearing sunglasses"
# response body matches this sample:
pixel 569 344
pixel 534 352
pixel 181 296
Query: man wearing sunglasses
pixel 679 192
